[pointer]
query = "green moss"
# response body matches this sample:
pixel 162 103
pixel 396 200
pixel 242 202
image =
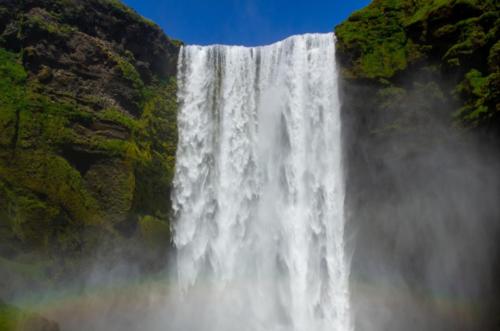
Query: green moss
pixel 476 113
pixel 445 31
pixel 157 138
pixel 494 57
pixel 475 82
pixel 154 232
pixel 473 38
pixel 38 22
pixel 32 220
pixel 437 9
pixel 11 68
pixel 114 147
pixel 112 183
pixel 126 68
pixel 377 39
pixel 176 43
pixel 32 120
pixel 41 127
pixel 25 220
pixel 12 95
pixel 481 95
pixel 130 73
pixel 28 118
pixel 116 116
pixel 9 317
pixel 385 38
pixel 54 177
pixel 49 203
pixel 72 166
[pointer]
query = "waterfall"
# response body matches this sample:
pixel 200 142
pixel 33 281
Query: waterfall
pixel 259 188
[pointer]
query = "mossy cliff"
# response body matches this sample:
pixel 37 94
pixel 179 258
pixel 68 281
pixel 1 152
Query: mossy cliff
pixel 455 41
pixel 420 86
pixel 87 136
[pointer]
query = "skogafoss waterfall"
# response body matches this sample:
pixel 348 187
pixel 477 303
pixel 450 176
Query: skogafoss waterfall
pixel 259 188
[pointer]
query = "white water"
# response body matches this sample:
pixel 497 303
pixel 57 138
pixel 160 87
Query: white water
pixel 259 189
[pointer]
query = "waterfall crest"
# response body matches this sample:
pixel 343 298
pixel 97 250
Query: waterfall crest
pixel 259 189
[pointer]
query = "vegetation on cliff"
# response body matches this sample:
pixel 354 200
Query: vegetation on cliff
pixel 420 106
pixel 453 41
pixel 87 136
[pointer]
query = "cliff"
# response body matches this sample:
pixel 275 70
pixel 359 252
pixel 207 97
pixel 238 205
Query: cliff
pixel 420 82
pixel 87 138
pixel 450 41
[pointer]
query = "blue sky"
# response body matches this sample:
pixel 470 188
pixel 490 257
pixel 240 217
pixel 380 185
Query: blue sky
pixel 244 22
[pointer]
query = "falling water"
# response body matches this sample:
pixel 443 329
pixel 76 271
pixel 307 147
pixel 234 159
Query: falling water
pixel 259 188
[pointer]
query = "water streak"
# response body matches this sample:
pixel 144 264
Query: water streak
pixel 259 189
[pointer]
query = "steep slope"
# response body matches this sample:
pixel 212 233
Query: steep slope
pixel 87 137
pixel 420 93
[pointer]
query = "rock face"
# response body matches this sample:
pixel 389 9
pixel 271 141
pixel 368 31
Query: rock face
pixel 87 135
pixel 420 93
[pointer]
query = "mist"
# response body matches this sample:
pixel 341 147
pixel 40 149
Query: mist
pixel 422 204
